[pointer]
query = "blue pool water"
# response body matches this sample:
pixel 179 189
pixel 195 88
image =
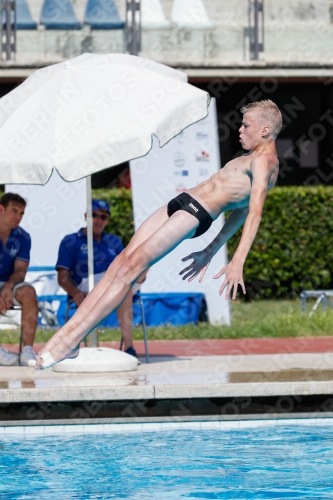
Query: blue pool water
pixel 276 462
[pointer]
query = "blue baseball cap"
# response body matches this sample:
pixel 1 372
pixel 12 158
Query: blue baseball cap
pixel 101 205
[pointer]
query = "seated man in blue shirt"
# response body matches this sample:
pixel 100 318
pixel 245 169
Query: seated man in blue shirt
pixel 72 266
pixel 15 244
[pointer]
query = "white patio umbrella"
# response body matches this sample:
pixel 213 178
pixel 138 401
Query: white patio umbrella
pixel 90 113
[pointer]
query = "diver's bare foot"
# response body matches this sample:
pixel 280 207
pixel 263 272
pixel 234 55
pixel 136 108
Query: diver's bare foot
pixel 46 359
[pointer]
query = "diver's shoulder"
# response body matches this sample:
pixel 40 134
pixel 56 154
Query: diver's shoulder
pixel 261 160
pixel 269 159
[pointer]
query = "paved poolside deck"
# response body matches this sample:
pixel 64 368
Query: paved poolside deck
pixel 184 377
pixel 278 375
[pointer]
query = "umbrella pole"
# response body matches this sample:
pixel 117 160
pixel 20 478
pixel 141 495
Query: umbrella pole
pixel 93 334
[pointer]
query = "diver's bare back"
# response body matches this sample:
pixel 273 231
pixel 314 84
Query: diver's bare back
pixel 230 188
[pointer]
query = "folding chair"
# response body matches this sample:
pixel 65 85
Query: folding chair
pixel 320 295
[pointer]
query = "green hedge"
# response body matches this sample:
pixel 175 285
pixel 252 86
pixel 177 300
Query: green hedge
pixel 293 249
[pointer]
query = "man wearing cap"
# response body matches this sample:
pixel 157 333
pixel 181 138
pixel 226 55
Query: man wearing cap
pixel 72 265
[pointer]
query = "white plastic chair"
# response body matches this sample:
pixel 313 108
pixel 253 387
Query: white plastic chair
pixel 152 15
pixel 190 14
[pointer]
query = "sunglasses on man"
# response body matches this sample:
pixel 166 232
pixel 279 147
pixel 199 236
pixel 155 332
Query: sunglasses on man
pixel 99 216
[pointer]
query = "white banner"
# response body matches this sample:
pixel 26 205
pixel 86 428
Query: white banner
pixel 186 161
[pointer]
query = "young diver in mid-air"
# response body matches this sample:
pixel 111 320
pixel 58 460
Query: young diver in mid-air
pixel 241 185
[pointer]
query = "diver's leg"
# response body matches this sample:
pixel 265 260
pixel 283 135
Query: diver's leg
pixel 180 226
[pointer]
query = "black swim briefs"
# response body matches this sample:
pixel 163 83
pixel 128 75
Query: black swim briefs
pixel 185 202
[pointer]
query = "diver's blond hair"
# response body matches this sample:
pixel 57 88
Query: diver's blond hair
pixel 269 114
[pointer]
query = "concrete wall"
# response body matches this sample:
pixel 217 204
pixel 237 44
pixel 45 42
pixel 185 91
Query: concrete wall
pixel 296 32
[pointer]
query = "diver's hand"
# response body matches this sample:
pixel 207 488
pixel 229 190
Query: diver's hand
pixel 233 278
pixel 201 261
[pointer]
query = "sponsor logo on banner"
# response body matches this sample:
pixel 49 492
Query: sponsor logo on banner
pixel 203 171
pixel 203 156
pixel 179 159
pixel 180 188
pixel 181 172
pixel 201 136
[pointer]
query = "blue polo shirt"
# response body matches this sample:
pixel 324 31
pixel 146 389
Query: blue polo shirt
pixel 17 246
pixel 73 254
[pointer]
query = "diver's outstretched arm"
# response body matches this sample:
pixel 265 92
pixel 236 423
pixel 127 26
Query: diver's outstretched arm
pixel 201 259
